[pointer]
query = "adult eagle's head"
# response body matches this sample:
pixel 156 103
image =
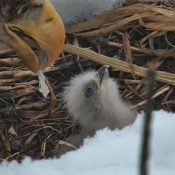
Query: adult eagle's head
pixel 33 29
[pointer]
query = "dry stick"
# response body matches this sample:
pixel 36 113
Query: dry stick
pixel 128 53
pixel 158 93
pixel 117 64
pixel 147 124
pixel 158 52
pixel 27 73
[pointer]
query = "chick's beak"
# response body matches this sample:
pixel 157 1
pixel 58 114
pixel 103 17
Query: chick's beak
pixel 37 42
pixel 103 73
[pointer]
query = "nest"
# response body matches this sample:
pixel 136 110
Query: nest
pixel 128 39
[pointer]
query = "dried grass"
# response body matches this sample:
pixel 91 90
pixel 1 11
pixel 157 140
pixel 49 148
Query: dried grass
pixel 128 39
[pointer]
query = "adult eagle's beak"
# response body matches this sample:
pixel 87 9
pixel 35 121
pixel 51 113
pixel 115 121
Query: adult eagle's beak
pixel 37 36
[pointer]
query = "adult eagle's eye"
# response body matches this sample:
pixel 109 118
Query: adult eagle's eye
pixel 22 9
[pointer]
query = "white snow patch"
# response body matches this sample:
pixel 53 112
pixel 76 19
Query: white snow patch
pixel 110 152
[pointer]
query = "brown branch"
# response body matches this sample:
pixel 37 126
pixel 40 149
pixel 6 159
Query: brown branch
pixel 147 124
pixel 117 64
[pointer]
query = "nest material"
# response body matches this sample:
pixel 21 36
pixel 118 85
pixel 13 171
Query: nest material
pixel 128 39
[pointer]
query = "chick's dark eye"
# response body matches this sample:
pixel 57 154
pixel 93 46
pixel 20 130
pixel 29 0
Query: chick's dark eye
pixel 90 90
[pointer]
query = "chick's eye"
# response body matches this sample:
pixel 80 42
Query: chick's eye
pixel 22 8
pixel 91 89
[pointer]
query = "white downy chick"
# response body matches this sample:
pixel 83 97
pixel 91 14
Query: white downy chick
pixel 73 11
pixel 93 99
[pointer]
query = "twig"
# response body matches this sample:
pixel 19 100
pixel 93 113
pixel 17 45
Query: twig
pixel 157 94
pixel 119 65
pixel 147 124
pixel 128 53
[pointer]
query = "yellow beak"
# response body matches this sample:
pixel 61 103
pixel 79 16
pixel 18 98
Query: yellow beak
pixel 46 33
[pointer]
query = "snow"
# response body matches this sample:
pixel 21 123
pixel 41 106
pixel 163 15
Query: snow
pixel 73 11
pixel 110 152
